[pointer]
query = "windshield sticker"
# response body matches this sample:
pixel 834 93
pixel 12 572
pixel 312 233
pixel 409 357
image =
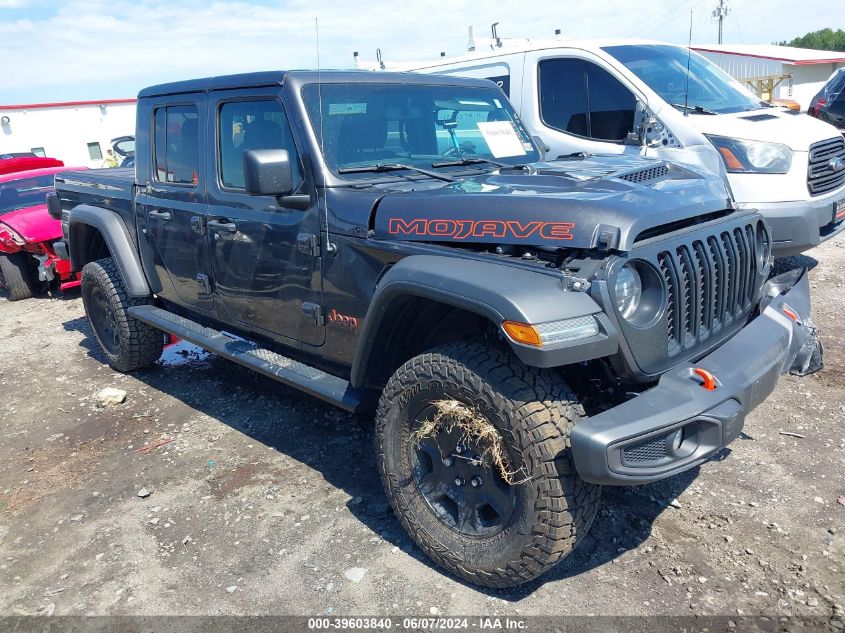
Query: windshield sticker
pixel 501 138
pixel 347 108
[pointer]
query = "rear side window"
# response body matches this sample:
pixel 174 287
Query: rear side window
pixel 581 98
pixel 176 144
pixel 248 125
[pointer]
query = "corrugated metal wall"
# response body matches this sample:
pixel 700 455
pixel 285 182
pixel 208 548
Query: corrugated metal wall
pixel 806 80
pixel 742 66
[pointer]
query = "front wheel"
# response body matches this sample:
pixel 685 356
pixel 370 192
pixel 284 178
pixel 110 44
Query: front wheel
pixel 473 451
pixel 18 277
pixel 128 343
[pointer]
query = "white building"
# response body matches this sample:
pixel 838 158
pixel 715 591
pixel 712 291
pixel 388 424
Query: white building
pixel 796 73
pixel 77 132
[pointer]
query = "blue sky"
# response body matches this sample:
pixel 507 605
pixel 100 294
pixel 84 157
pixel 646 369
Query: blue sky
pixel 96 49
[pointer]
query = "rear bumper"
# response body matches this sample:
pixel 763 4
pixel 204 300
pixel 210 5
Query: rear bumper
pixel 799 226
pixel 679 424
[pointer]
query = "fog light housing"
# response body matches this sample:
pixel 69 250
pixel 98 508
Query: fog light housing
pixel 676 439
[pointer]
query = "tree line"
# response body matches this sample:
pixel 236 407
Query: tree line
pixel 825 40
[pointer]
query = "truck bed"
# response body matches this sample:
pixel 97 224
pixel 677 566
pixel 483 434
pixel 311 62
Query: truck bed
pixel 109 188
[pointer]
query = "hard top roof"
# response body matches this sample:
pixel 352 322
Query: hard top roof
pixel 301 77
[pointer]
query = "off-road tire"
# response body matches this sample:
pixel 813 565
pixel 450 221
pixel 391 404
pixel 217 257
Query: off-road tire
pixel 18 276
pixel 138 345
pixel 534 411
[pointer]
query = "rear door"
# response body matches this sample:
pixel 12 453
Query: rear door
pixel 173 202
pixel 266 275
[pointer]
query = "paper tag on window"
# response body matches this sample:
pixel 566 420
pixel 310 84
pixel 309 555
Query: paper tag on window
pixel 501 138
pixel 347 108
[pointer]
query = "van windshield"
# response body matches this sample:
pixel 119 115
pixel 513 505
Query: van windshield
pixel 664 69
pixel 369 129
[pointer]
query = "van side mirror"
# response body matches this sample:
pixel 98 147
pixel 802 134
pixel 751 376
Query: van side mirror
pixel 642 116
pixel 541 147
pixel 267 172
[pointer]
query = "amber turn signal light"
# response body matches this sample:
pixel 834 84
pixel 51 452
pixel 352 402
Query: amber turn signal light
pixel 731 160
pixel 522 333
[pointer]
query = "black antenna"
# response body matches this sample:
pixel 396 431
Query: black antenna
pixel 379 59
pixel 689 58
pixel 330 248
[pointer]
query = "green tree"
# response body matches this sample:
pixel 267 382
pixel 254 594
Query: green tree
pixel 825 40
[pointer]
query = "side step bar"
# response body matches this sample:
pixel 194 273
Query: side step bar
pixel 286 370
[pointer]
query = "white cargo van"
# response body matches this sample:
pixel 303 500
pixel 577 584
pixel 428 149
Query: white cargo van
pixel 637 97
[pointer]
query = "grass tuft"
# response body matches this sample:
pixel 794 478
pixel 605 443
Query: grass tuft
pixel 474 429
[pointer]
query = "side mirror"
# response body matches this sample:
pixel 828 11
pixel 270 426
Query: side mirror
pixel 544 149
pixel 54 205
pixel 637 136
pixel 267 172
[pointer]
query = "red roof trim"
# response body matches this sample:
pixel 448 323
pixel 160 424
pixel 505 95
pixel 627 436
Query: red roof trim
pixel 64 104
pixel 835 60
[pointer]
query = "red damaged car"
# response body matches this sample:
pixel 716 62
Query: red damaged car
pixel 27 232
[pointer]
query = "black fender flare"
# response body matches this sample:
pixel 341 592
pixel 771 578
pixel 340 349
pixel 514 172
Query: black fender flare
pixel 498 292
pixel 117 238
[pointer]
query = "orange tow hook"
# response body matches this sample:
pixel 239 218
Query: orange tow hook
pixel 709 380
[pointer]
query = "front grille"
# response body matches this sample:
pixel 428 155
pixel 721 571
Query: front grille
pixel 650 450
pixel 711 283
pixel 644 175
pixel 821 177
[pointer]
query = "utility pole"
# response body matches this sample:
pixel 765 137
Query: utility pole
pixel 720 13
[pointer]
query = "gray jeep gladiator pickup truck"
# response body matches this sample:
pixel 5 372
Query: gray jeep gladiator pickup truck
pixel 525 331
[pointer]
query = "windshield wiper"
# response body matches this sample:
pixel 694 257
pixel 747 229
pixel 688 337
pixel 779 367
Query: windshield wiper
pixel 694 108
pixel 384 167
pixel 475 161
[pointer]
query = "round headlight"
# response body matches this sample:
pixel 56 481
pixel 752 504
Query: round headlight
pixel 629 291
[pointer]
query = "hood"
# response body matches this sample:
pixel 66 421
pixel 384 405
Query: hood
pixel 774 125
pixel 33 224
pixel 599 201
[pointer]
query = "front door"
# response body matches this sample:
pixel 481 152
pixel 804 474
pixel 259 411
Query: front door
pixel 173 204
pixel 266 278
pixel 582 108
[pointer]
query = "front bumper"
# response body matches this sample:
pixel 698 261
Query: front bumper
pixel 799 226
pixel 679 423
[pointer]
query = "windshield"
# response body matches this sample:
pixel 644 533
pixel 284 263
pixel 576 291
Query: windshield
pixel 664 70
pixel 415 126
pixel 24 192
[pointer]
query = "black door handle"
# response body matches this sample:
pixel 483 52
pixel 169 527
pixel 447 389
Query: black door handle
pixel 160 215
pixel 223 226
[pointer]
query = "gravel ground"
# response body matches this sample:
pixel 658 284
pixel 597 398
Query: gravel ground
pixel 261 500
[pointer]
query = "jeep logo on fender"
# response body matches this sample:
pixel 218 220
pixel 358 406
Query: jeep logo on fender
pixel 342 320
pixel 463 229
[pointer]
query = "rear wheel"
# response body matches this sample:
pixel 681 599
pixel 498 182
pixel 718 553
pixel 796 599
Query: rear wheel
pixel 128 344
pixel 18 277
pixel 493 521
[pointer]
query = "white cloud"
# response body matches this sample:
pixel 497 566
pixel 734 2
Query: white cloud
pixel 114 47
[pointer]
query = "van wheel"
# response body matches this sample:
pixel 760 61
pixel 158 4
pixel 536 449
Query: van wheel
pixel 496 512
pixel 128 344
pixel 17 273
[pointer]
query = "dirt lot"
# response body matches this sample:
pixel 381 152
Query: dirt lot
pixel 267 501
